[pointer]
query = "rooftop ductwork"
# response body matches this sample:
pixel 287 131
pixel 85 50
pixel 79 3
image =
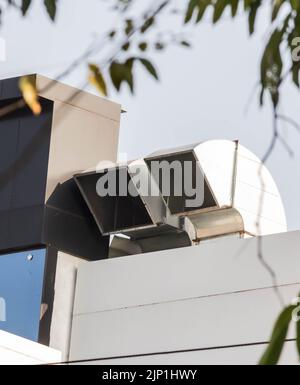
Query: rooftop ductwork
pixel 120 204
pixel 180 197
pixel 234 178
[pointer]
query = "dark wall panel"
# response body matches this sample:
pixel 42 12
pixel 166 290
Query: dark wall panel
pixel 24 153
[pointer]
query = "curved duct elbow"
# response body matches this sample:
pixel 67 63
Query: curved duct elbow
pixel 214 224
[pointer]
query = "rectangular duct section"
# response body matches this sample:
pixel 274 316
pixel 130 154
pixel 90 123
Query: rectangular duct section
pixel 180 179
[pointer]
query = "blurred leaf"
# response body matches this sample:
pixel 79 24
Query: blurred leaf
pixel 297 314
pixel 295 4
pixel 126 46
pixel 112 34
pixel 274 349
pixel 25 6
pixel 128 27
pixel 271 79
pixel 203 4
pixel 159 46
pixel 276 8
pixel 271 63
pixel 196 7
pixel 149 67
pixel 148 24
pixel 192 7
pixel 27 86
pixel 247 4
pixel 293 42
pixel 143 46
pixel 96 79
pixel 128 65
pixel 185 43
pixel 234 7
pixel 219 6
pixel 122 72
pixel 51 8
pixel 253 8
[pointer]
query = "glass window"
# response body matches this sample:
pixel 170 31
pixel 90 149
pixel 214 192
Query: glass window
pixel 21 285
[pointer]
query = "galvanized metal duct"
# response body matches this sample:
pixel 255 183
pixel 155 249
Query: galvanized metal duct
pixel 215 223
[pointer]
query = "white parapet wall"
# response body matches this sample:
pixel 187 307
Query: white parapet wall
pixel 15 350
pixel 209 304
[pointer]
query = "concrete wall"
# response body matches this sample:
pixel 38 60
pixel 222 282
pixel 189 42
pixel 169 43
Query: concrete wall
pixel 208 304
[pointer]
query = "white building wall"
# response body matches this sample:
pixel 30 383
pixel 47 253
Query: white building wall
pixel 209 304
pixel 65 282
pixel 15 350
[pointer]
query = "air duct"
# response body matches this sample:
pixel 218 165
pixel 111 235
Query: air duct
pixel 213 189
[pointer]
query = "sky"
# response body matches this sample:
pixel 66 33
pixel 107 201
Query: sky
pixel 203 92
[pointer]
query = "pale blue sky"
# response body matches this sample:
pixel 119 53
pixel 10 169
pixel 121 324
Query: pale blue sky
pixel 202 94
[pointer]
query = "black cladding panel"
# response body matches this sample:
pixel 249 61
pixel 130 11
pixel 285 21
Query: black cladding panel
pixel 24 153
pixel 9 89
pixel 69 225
pixel 8 149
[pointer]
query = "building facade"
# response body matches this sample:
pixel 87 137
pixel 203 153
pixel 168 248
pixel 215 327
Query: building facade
pixel 131 277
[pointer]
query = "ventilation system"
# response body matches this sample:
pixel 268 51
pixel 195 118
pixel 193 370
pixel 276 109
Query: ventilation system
pixel 183 196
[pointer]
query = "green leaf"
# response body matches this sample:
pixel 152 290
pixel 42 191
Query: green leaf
pixel 149 67
pixel 51 8
pixel 297 310
pixel 252 15
pixel 276 8
pixel 126 46
pixel 122 73
pixel 128 26
pixel 112 34
pixel 247 4
pixel 234 7
pixel 192 7
pixel 220 6
pixel 203 5
pixel 143 46
pixel 128 66
pixel 196 7
pixel 272 64
pixel 147 24
pixel 25 6
pixel 274 349
pixel 96 79
pixel 295 4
